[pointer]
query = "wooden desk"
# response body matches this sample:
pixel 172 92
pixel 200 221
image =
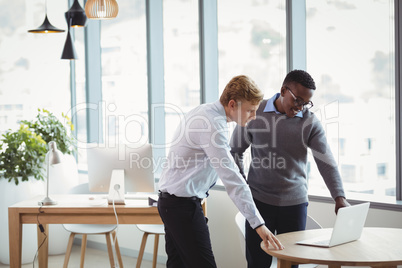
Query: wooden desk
pixel 377 247
pixel 71 209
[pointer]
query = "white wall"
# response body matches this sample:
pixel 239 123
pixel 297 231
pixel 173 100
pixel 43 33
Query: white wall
pixel 224 233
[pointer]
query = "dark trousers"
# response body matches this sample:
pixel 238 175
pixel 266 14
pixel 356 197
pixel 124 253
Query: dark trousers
pixel 187 237
pixel 278 220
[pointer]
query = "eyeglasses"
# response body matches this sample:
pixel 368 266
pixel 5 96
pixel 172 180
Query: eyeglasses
pixel 300 102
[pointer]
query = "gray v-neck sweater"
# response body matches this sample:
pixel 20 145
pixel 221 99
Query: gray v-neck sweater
pixel 277 174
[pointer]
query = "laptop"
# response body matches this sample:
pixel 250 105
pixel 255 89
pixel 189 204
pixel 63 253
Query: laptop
pixel 348 227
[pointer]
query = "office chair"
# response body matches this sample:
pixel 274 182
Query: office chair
pixel 91 229
pixel 155 229
pixel 240 222
pixel 312 224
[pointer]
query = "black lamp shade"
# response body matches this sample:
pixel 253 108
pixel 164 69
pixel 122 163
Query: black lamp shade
pixel 69 50
pixel 77 15
pixel 46 27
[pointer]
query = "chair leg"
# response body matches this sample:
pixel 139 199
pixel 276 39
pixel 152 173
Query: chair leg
pixel 68 251
pixel 141 253
pixel 155 251
pixel 117 248
pixel 109 249
pixel 83 247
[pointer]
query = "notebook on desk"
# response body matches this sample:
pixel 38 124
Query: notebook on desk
pixel 348 227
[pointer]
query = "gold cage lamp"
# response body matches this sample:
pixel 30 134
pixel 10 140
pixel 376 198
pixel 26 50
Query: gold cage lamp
pixel 101 9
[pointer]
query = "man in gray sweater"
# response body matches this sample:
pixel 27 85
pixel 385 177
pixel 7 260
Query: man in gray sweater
pixel 279 137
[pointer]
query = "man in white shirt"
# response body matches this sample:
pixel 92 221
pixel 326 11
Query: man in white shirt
pixel 200 153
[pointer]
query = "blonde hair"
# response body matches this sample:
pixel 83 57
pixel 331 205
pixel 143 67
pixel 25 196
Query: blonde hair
pixel 241 88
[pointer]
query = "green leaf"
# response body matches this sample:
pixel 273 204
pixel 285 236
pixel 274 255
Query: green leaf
pixel 22 152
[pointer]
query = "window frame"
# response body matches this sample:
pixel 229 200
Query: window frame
pixel 296 42
pixel 296 58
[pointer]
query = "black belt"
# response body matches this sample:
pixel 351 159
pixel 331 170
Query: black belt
pixel 167 195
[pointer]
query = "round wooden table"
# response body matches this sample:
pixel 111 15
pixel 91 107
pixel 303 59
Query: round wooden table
pixel 379 247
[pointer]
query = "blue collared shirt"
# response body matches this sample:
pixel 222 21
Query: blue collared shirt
pixel 270 107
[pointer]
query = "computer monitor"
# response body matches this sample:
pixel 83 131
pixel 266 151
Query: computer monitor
pixel 135 160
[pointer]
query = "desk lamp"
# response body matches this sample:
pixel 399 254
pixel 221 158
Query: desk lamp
pixel 53 157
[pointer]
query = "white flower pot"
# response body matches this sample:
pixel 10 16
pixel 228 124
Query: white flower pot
pixel 9 195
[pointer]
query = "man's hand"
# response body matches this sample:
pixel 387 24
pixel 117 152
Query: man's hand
pixel 340 202
pixel 268 237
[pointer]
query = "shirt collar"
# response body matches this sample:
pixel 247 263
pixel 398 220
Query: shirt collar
pixel 220 108
pixel 270 107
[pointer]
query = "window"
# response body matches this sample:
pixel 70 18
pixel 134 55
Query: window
pixel 124 75
pixel 252 41
pixel 32 75
pixel 350 54
pixel 181 57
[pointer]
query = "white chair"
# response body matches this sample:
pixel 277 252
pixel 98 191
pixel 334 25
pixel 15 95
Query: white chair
pixel 241 225
pixel 91 229
pixel 312 224
pixel 240 222
pixel 153 229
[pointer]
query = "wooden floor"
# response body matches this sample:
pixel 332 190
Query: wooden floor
pixel 94 258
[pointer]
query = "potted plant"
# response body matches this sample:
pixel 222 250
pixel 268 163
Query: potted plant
pixel 22 162
pixel 63 176
pixel 22 154
pixel 50 128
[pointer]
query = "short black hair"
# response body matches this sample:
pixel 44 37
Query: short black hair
pixel 301 77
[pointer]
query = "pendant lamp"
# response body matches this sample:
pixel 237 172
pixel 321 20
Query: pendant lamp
pixel 46 26
pixel 77 15
pixel 101 9
pixel 69 50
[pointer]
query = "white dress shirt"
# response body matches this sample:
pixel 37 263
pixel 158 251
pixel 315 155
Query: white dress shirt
pixel 199 153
